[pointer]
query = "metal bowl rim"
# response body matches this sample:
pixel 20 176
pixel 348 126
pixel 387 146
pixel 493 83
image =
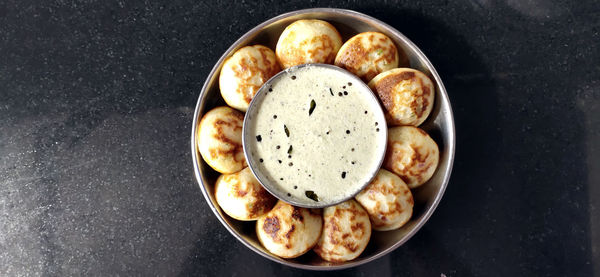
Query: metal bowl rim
pixel 451 145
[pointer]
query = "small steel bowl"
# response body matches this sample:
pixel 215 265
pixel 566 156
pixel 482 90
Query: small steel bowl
pixel 439 125
pixel 246 137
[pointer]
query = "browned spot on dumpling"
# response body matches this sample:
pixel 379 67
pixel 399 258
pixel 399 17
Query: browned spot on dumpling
pixel 308 41
pixel 387 200
pixel 244 73
pixel 408 170
pixel 271 227
pixel 346 232
pixel 239 192
pixel 232 151
pixel 264 202
pixel 241 196
pixel 248 69
pixel 359 226
pixel 368 54
pixel 290 232
pixel 411 154
pixel 296 214
pixel 406 94
pixel 351 246
pixel 385 89
pixel 220 139
pixel 298 230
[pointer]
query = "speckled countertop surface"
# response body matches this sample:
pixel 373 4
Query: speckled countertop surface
pixel 96 104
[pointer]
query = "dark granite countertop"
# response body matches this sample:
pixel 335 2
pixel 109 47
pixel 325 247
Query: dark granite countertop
pixel 96 104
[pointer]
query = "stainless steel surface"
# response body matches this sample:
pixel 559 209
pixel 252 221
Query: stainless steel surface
pixel 440 125
pixel 252 163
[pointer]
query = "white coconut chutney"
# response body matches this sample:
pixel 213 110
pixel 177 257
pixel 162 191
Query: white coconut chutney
pixel 315 134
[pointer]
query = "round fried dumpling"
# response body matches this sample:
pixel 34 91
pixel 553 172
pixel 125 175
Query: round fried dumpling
pixel 412 154
pixel 244 73
pixel 387 200
pixel 368 54
pixel 220 139
pixel 346 232
pixel 241 196
pixel 308 41
pixel 407 95
pixel 289 231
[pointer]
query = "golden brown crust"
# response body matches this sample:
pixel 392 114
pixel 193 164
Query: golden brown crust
pixel 385 90
pixel 241 196
pixel 289 231
pixel 368 54
pixel 411 154
pixel 388 201
pixel 244 73
pixel 406 94
pixel 296 55
pixel 271 227
pixel 308 41
pixel 264 202
pixel 220 139
pixel 346 232
pixel 249 68
pixel 417 156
